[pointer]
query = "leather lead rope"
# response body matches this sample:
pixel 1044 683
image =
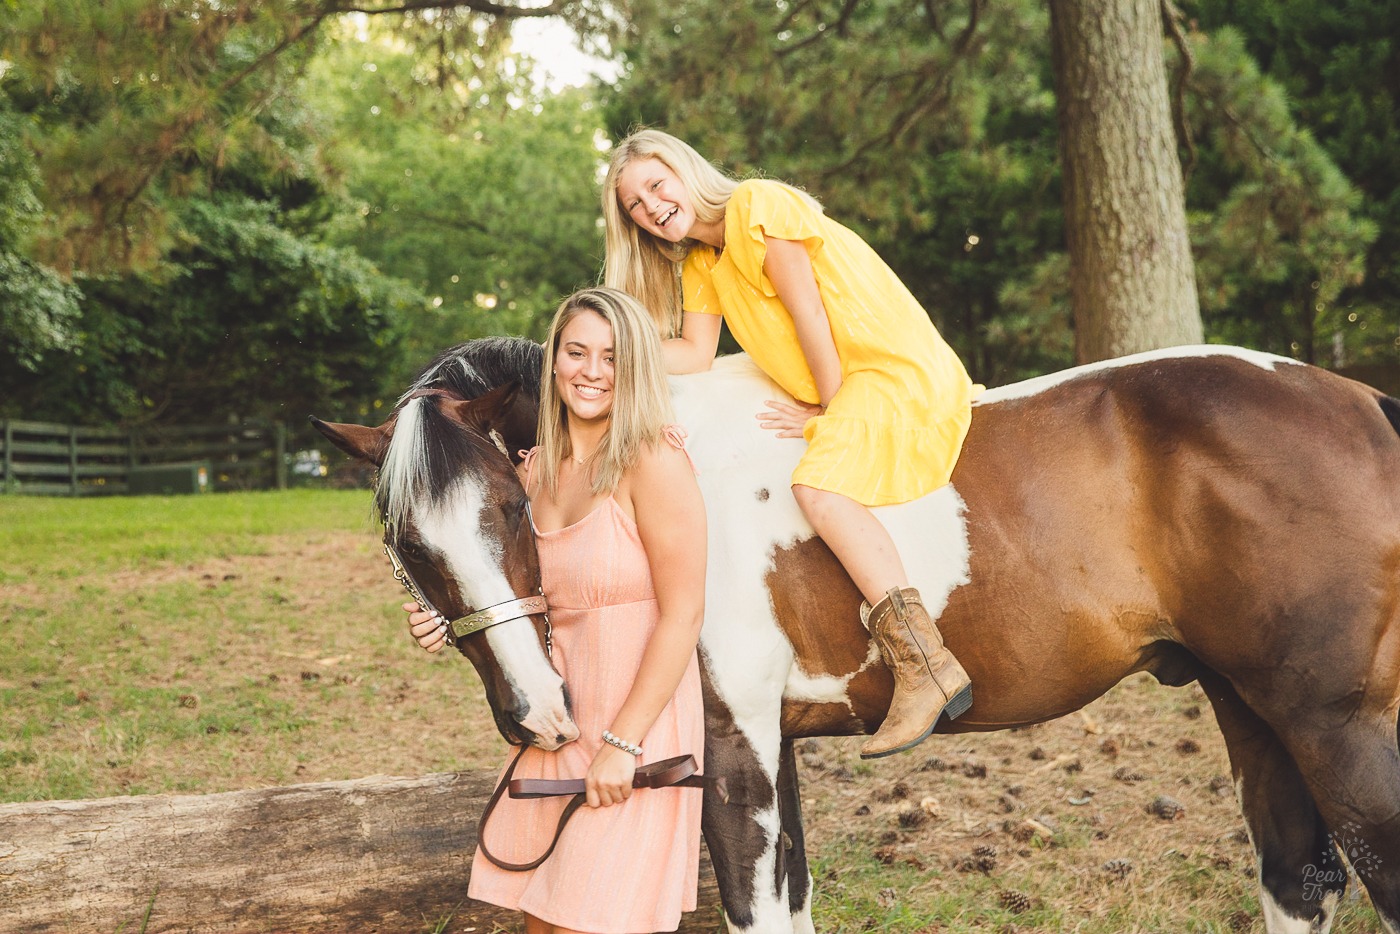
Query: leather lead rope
pixel 676 772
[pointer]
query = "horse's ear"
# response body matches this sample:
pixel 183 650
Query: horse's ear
pixel 505 413
pixel 489 410
pixel 359 441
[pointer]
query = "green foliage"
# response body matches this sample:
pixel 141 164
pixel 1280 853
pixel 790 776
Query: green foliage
pixel 136 105
pixel 246 318
pixel 1338 67
pixel 268 208
pixel 254 222
pixel 37 309
pixel 188 197
pixel 141 103
pixel 1275 223
pixel 477 191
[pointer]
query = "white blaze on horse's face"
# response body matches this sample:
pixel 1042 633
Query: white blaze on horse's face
pixel 456 530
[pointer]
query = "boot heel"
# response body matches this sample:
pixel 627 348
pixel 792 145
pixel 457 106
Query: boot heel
pixel 957 705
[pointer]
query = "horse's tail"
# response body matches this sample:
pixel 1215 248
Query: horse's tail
pixel 1391 407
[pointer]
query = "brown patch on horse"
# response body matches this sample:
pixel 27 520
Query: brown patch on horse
pixel 818 607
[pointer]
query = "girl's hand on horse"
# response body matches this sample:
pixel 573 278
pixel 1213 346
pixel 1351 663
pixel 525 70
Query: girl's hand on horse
pixel 609 778
pixel 788 420
pixel 428 628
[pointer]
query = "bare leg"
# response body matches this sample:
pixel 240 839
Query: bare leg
pixel 929 681
pixel 858 539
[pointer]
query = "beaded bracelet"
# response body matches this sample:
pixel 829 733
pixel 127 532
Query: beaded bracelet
pixel 622 744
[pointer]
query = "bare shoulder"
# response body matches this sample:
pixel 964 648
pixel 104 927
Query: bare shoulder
pixel 662 464
pixel 665 498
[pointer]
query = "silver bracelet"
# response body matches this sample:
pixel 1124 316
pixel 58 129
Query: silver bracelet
pixel 622 744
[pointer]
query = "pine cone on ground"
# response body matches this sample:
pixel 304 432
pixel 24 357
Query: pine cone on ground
pixel 1014 902
pixel 1167 808
pixel 1118 868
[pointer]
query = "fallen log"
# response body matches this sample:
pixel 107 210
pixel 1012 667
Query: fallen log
pixel 374 855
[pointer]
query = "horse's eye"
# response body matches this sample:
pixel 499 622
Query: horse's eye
pixel 412 550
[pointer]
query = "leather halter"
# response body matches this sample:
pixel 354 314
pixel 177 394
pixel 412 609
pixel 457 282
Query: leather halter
pixel 485 618
pixel 477 620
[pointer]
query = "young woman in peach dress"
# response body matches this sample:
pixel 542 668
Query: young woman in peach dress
pixel 884 402
pixel 620 528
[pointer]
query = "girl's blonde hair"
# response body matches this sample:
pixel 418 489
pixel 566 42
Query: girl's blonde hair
pixel 641 406
pixel 638 263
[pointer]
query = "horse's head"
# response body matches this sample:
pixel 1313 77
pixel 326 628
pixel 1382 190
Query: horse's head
pixel 457 518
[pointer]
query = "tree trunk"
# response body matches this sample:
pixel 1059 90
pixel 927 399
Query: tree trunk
pixel 381 855
pixel 1132 279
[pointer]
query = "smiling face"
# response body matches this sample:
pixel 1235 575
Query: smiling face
pixel 656 199
pixel 583 367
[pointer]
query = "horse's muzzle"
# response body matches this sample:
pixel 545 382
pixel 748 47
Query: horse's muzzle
pixel 547 732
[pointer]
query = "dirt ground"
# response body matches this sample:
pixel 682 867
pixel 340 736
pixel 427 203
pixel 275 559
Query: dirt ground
pixel 1121 817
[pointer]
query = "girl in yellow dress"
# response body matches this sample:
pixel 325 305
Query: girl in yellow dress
pixel 884 402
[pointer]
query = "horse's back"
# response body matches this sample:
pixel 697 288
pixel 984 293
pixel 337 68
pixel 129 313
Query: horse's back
pixel 1203 505
pixel 1244 507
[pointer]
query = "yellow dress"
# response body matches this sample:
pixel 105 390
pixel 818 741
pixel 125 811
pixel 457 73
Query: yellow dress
pixel 895 427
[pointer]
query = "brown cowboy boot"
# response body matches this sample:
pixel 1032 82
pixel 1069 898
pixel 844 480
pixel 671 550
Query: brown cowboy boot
pixel 928 681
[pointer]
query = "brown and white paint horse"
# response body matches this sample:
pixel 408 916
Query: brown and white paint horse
pixel 1208 514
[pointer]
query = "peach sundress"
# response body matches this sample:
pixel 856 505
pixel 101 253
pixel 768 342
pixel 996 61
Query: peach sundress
pixel 632 867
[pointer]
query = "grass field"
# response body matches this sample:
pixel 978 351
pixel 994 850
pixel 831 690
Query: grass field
pixel 218 642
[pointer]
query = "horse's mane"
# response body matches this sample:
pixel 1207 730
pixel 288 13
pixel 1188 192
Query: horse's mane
pixel 429 449
pixel 478 366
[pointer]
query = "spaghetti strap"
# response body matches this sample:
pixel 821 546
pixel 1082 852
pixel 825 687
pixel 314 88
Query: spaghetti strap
pixel 528 459
pixel 675 436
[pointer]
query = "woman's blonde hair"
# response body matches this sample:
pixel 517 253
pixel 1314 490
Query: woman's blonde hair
pixel 637 262
pixel 641 406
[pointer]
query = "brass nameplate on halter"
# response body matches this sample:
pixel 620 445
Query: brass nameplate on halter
pixel 500 613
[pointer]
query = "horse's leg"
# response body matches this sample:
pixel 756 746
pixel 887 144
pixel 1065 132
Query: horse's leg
pixel 744 836
pixel 1291 842
pixel 1353 767
pixel 799 877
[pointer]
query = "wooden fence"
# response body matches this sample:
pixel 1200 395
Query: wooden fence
pixel 70 460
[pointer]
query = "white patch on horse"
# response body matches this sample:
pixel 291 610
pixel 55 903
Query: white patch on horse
pixel 404 470
pixel 826 689
pixel 453 529
pixel 931 535
pixel 745 474
pixel 769 909
pixel 1330 903
pixel 816 689
pixel 802 918
pixel 1040 384
pixel 1278 921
